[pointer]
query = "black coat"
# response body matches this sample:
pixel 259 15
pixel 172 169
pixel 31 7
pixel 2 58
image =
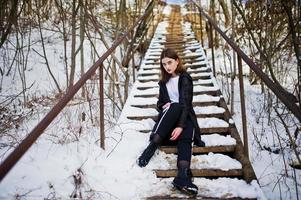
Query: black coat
pixel 185 100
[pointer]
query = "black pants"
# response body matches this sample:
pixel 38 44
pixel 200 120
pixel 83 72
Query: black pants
pixel 167 123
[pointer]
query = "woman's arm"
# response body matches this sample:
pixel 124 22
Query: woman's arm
pixel 185 99
pixel 161 103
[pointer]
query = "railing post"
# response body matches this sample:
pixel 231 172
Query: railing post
pixel 101 108
pixel 243 108
pixel 201 29
pixel 212 47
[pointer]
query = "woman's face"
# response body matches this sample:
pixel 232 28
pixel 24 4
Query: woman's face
pixel 170 65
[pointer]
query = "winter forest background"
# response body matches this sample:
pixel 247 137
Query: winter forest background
pixel 46 45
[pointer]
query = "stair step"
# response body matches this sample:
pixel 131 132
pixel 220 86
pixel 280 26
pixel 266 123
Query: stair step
pixel 154 84
pixel 155 117
pixel 201 150
pixel 167 197
pixel 212 173
pixel 212 93
pixel 219 130
pixel 198 103
pixel 204 131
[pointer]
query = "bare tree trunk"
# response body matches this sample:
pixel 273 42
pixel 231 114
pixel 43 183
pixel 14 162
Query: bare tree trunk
pixel 44 53
pixel 20 66
pixel 73 43
pixel 117 85
pixel 11 18
pixel 213 14
pixel 225 12
pixel 296 42
pixel 113 90
pixel 82 37
pixel 233 76
pixel 63 17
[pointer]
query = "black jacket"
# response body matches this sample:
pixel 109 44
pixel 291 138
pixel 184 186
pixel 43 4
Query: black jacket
pixel 185 100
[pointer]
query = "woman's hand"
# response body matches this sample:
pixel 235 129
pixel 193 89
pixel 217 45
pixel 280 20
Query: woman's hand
pixel 176 133
pixel 166 105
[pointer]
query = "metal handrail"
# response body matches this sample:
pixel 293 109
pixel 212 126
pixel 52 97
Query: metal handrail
pixel 14 157
pixel 270 84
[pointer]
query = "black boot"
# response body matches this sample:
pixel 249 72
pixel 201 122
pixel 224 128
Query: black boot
pixel 183 182
pixel 147 154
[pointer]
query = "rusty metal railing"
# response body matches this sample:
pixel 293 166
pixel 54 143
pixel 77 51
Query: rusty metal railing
pixel 14 157
pixel 268 82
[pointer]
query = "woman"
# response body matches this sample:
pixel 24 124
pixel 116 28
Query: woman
pixel 177 121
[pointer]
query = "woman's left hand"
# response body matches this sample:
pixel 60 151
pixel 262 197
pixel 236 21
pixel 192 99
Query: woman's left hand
pixel 176 133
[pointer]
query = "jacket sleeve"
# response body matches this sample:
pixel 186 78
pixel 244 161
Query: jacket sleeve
pixel 160 101
pixel 186 92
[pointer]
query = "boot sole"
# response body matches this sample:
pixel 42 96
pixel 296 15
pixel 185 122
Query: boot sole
pixel 185 190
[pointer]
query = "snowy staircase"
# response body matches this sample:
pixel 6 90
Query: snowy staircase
pixel 220 169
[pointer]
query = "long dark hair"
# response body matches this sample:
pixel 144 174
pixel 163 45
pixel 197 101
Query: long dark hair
pixel 170 53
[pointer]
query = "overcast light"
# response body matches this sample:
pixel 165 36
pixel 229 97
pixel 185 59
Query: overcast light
pixel 175 1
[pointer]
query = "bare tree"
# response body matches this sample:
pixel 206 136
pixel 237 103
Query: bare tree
pixel 73 42
pixel 8 16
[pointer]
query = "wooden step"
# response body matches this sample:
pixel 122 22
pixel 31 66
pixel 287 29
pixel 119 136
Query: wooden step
pixel 155 117
pixel 212 93
pixel 173 197
pixel 199 103
pixel 202 150
pixel 195 84
pixel 174 42
pixel 198 77
pixel 205 131
pixel 196 66
pixel 212 130
pixel 201 77
pixel 209 173
pixel 192 57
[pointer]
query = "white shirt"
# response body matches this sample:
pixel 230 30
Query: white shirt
pixel 172 89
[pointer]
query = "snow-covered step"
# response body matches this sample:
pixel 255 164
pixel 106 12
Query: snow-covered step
pixel 142 112
pixel 220 188
pixel 202 76
pixel 215 143
pixel 196 65
pixel 204 131
pixel 198 100
pixel 175 42
pixel 213 125
pixel 155 76
pixel 209 111
pixel 201 173
pixel 150 66
pixel 207 165
pixel 148 78
pixel 206 83
pixel 149 72
pixel 214 161
pixel 197 90
pixel 201 112
pixel 152 57
pixel 199 70
pixel 202 150
pixel 150 103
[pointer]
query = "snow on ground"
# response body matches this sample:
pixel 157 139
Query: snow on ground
pixel 46 170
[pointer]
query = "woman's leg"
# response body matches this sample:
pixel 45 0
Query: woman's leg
pixel 167 121
pixel 161 131
pixel 183 179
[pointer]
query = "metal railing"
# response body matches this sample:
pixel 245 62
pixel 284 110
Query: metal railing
pixel 264 77
pixel 21 149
